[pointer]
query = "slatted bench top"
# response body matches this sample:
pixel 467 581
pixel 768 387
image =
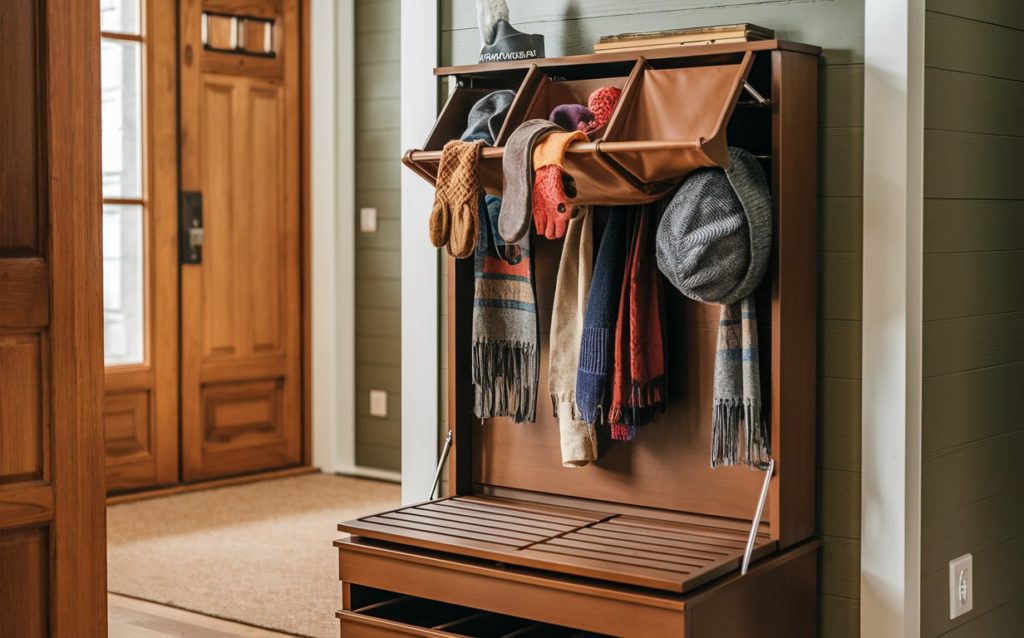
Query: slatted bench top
pixel 674 556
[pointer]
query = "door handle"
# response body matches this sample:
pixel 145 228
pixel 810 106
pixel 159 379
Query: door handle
pixel 190 228
pixel 195 237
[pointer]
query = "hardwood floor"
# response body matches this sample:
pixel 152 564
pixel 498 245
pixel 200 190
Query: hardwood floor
pixel 134 618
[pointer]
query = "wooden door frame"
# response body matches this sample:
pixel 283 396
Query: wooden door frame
pixel 305 234
pixel 78 551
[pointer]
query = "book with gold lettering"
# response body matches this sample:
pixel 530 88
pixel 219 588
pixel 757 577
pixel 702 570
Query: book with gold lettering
pixel 689 36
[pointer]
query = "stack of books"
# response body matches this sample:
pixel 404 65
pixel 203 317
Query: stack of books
pixel 680 37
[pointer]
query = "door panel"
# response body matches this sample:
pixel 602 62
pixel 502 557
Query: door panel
pixel 22 448
pixel 241 306
pixel 23 609
pixel 52 532
pixel 128 432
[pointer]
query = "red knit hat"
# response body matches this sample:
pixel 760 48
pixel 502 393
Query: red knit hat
pixel 602 104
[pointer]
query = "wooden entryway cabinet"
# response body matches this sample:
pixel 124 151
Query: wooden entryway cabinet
pixel 216 385
pixel 649 541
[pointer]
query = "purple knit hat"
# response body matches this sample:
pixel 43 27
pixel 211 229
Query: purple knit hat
pixel 571 117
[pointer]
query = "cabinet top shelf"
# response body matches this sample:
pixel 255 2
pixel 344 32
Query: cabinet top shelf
pixel 682 51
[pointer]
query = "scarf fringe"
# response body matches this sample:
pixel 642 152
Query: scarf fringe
pixel 645 402
pixel 731 419
pixel 505 375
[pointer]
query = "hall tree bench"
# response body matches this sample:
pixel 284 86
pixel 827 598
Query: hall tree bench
pixel 649 540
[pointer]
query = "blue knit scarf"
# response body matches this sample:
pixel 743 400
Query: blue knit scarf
pixel 599 321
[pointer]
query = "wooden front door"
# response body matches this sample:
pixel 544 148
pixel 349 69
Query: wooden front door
pixel 240 298
pixel 52 512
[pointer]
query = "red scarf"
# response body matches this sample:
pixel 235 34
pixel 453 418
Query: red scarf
pixel 638 385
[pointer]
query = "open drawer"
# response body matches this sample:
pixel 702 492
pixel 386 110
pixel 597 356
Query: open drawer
pixel 396 590
pixel 403 615
pixel 669 555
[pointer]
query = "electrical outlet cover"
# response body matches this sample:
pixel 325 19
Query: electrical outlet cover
pixel 961 586
pixel 378 403
pixel 368 220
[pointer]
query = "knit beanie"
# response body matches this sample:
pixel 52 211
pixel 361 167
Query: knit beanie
pixel 517 179
pixel 487 115
pixel 572 117
pixel 602 104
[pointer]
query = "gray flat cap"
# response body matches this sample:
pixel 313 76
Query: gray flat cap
pixel 715 237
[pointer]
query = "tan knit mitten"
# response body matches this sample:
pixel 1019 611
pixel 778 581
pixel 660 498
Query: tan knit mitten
pixel 454 217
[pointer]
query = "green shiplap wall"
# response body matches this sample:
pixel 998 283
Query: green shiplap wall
pixel 378 336
pixel 973 339
pixel 571 27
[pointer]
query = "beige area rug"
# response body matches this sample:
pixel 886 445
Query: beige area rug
pixel 259 553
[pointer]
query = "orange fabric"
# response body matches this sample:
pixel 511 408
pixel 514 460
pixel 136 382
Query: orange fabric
pixel 551 149
pixel 502 267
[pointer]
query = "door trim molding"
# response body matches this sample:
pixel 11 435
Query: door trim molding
pixel 420 264
pixel 332 245
pixel 890 578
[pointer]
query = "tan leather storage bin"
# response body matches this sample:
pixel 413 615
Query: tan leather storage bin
pixel 670 121
pixel 675 118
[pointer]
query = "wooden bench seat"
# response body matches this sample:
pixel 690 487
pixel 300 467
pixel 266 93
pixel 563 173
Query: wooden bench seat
pixel 674 556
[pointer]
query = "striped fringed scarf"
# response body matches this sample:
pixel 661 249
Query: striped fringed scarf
pixel 505 344
pixel 638 386
pixel 737 404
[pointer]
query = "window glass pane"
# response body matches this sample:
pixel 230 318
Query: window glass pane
pixel 123 272
pixel 121 77
pixel 119 16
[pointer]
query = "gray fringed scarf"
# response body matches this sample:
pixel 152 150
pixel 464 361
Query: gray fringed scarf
pixel 737 403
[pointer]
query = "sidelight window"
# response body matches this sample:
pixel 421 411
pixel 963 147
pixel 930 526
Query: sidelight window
pixel 124 202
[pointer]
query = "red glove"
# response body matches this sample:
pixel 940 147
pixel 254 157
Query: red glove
pixel 552 187
pixel 552 210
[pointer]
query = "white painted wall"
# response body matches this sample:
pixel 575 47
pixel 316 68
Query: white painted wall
pixel 420 275
pixel 891 350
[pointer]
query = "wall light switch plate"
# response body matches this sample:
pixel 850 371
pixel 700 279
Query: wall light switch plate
pixel 368 220
pixel 961 586
pixel 378 403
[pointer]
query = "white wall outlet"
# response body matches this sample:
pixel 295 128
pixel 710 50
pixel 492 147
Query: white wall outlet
pixel 378 403
pixel 961 586
pixel 368 220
